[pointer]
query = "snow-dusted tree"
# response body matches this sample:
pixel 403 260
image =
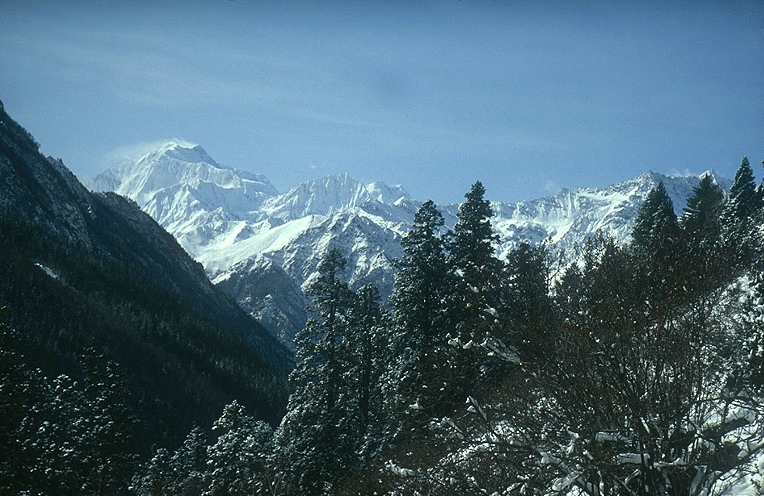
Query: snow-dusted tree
pixel 156 476
pixel 314 445
pixel 109 426
pixel 236 462
pixel 655 234
pixel 417 384
pixel 472 255
pixel 703 211
pixel 527 306
pixel 421 283
pixel 419 330
pixel 188 464
pixel 704 257
pixel 741 216
pixel 742 193
pixel 369 357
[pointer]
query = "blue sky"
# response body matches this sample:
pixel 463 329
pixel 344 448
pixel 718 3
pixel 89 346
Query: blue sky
pixel 528 97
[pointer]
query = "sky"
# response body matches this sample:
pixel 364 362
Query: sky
pixel 527 97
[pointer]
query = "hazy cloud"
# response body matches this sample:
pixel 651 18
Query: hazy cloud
pixel 129 153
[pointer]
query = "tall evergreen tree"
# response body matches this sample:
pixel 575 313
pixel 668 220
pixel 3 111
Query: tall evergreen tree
pixel 237 460
pixel 739 216
pixel 367 338
pixel 314 445
pixel 703 210
pixel 742 194
pixel 370 357
pixel 421 283
pixel 655 229
pixel 472 256
pixel 655 243
pixel 415 384
pixel 704 257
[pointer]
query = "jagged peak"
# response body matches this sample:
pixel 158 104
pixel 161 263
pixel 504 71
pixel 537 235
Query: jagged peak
pixel 388 194
pixel 181 150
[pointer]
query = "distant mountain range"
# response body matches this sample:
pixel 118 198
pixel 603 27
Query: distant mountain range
pixel 262 247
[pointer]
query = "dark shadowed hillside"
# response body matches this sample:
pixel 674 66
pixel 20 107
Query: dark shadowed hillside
pixel 91 271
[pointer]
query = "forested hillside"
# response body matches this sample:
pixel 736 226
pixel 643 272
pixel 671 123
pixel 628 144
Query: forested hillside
pixel 113 339
pixel 628 370
pixel 607 369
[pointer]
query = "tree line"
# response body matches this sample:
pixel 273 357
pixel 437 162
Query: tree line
pixel 633 369
pixel 629 370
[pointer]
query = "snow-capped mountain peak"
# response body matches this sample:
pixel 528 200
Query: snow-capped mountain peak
pixel 326 196
pixel 253 241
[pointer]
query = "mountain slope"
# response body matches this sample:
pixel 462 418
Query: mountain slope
pixel 265 254
pixel 91 270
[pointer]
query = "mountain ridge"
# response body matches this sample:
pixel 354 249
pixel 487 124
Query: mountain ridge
pixel 286 235
pixel 82 269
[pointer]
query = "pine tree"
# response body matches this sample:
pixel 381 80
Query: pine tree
pixel 742 193
pixel 419 326
pixel 704 259
pixel 368 341
pixel 739 217
pixel 421 283
pixel 110 426
pixel 656 227
pixel 237 460
pixel 656 241
pixel 188 464
pixel 475 300
pixel 703 211
pixel 314 445
pixel 472 256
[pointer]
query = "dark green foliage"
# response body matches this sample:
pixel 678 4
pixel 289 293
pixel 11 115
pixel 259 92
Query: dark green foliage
pixel 421 282
pixel 742 194
pixel 419 300
pixel 316 439
pixel 472 257
pixel 741 215
pixel 229 460
pixel 368 340
pixel 705 259
pixel 80 270
pixel 655 232
pixel 703 211
pixel 62 436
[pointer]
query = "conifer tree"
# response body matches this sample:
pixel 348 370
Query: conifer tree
pixel 421 283
pixel 656 227
pixel 237 460
pixel 703 210
pixel 475 300
pixel 314 445
pixel 472 256
pixel 656 245
pixel 367 338
pixel 739 217
pixel 742 194
pixel 704 258
pixel 419 327
pixel 189 464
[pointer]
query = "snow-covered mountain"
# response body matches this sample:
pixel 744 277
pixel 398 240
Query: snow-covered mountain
pixel 263 247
